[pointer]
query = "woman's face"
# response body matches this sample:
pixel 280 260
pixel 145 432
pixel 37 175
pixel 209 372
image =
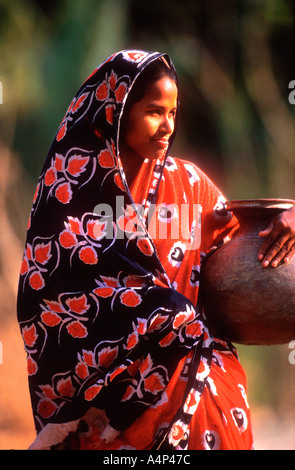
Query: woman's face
pixel 150 122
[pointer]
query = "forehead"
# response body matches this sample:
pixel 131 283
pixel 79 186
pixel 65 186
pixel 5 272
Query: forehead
pixel 164 90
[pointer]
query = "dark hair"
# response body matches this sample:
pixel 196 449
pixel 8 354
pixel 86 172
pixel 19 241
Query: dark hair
pixel 156 70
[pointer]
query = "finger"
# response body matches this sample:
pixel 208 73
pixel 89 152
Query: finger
pixel 276 238
pixel 279 251
pixel 290 254
pixel 272 245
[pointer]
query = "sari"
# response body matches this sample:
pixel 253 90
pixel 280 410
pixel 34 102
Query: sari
pixel 119 352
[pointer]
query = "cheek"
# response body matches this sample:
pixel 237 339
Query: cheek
pixel 137 133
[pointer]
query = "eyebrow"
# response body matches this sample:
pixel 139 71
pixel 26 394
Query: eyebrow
pixel 156 105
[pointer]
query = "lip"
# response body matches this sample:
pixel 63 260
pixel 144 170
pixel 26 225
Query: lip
pixel 161 143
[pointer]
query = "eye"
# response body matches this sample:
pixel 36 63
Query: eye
pixel 154 112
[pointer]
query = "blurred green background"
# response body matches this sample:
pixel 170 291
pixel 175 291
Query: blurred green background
pixel 235 61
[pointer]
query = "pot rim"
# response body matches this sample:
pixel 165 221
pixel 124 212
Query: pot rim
pixel 275 203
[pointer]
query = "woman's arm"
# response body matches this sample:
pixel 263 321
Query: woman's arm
pixel 279 243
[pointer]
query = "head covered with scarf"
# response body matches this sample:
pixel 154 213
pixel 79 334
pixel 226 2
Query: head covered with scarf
pixel 102 326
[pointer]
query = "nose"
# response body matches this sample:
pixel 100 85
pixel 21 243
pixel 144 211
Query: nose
pixel 167 124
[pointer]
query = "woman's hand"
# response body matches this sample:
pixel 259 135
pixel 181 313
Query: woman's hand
pixel 279 244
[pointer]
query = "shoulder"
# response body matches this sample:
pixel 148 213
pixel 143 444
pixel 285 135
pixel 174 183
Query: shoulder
pixel 193 172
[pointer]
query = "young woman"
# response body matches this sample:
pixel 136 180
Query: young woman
pixel 120 356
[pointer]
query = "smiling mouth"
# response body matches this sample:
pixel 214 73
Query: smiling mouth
pixel 161 143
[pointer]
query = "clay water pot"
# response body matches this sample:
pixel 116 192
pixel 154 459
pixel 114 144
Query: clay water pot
pixel 245 302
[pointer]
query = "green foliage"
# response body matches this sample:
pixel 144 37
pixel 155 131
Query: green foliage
pixel 234 78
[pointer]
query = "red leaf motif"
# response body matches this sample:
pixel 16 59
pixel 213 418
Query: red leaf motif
pixel 141 329
pixel 120 92
pixel 62 132
pixel 46 408
pixel 42 252
pixel 50 176
pixel 102 92
pixel 24 266
pixel 71 106
pixel 78 304
pixel 116 372
pixel 92 391
pixel 75 225
pixel 29 335
pixel 106 159
pixel 96 229
pixel 126 224
pixel 77 330
pixel 36 281
pixel 48 391
pixel 53 305
pixel 110 113
pixel 135 56
pixel 32 367
pixel 77 165
pixel 107 356
pixel 104 291
pixel 79 102
pixel 110 281
pixel 183 317
pixel 81 370
pixel 154 383
pixel 29 251
pixel 133 281
pixel 179 319
pixel 88 255
pixel 177 432
pixel 128 393
pixel 145 246
pixel 168 339
pixel 118 181
pixel 64 193
pixel 194 329
pixel 130 298
pixel 132 340
pixel 146 365
pixel 59 162
pixel 133 367
pixel 67 239
pixel 65 387
pixel 88 357
pixel 157 322
pixel 113 80
pixel 191 400
pixel 50 318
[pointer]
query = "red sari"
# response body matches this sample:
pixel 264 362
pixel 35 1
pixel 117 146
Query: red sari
pixel 220 414
pixel 119 352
